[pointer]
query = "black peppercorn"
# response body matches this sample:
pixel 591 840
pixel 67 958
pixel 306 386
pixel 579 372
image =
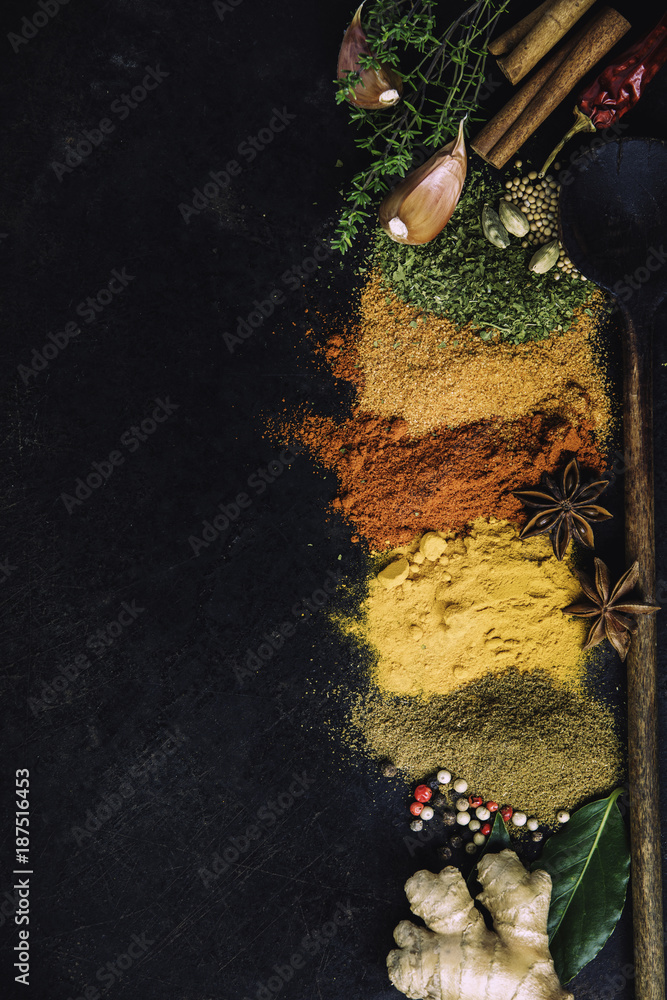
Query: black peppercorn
pixel 449 816
pixel 439 801
pixel 445 853
pixel 456 841
pixel 537 835
pixel 389 770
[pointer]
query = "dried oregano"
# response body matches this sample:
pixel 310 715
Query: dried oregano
pixel 462 276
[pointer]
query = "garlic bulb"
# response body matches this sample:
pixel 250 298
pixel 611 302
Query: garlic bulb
pixel 377 88
pixel 421 205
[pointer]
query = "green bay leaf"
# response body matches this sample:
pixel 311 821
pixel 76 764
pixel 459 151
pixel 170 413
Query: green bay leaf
pixel 589 864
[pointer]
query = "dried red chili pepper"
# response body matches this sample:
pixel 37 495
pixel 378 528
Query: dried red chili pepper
pixel 618 87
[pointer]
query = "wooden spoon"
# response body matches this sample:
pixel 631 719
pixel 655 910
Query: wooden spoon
pixel 613 225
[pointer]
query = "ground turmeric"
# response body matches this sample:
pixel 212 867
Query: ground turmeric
pixel 448 609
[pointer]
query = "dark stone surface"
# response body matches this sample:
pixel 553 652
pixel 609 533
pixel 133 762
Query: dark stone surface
pixel 121 687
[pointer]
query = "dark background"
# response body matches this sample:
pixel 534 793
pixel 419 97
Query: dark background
pixel 159 725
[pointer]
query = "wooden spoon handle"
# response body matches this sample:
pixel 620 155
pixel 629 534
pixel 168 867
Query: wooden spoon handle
pixel 645 872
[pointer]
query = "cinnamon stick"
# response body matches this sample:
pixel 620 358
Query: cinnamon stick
pixel 600 36
pixel 504 43
pixel 551 27
pixel 495 129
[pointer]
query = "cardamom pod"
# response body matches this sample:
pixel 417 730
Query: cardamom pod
pixel 493 228
pixel 513 219
pixel 544 258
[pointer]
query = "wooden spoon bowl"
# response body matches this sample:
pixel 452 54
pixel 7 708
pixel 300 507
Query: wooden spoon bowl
pixel 613 225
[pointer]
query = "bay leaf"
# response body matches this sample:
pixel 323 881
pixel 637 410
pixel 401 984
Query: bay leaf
pixel 589 864
pixel 499 838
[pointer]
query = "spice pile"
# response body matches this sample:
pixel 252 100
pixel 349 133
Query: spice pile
pixel 394 486
pixel 445 425
pixel 465 277
pixel 422 368
pixel 448 610
pixel 520 737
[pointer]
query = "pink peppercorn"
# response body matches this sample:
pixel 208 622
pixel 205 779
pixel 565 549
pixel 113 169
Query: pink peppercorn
pixel 506 813
pixel 492 807
pixel 475 800
pixel 423 793
pixel 485 829
pixel 416 808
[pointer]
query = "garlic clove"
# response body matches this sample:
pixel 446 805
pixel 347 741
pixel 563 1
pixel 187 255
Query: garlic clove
pixel 377 88
pixel 421 205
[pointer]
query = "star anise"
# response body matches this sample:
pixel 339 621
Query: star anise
pixel 565 510
pixel 614 615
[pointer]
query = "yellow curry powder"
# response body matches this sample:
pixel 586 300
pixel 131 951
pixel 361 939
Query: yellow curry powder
pixel 448 610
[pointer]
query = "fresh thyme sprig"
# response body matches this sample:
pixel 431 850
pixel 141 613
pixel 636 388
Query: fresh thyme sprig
pixel 442 79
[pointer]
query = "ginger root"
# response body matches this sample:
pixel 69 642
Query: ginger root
pixel 459 958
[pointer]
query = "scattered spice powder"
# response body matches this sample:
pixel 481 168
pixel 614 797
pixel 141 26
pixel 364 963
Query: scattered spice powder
pixel 441 434
pixel 517 738
pixel 448 610
pixel 418 366
pixel 394 486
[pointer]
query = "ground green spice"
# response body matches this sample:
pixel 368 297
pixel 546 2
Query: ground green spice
pixel 519 739
pixel 462 276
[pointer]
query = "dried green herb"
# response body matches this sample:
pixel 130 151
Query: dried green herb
pixel 462 276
